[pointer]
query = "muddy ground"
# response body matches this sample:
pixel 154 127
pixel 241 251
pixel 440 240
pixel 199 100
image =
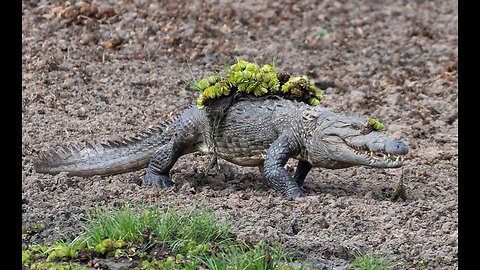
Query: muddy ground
pixel 117 67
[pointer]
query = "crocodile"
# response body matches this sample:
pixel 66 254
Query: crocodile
pixel 261 132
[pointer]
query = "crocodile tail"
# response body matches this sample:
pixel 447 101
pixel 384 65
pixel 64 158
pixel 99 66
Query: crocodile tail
pixel 112 157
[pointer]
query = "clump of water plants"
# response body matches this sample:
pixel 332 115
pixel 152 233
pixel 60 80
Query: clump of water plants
pixel 302 88
pixel 109 246
pixel 61 252
pixel 212 87
pixel 371 125
pixel 251 79
pixel 377 125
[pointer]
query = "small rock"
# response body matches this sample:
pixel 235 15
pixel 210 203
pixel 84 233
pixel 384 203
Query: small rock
pixel 113 43
pixel 322 223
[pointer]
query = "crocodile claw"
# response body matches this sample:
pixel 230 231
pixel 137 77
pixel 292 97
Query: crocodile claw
pixel 158 180
pixel 292 194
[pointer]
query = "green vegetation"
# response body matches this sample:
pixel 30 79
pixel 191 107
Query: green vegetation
pixel 371 125
pixel 57 266
pixel 369 262
pixel 34 228
pixel 157 239
pixel 304 89
pixel 321 33
pixel 174 227
pixel 251 79
pixel 246 257
pixel 400 191
pixel 46 257
pixel 375 124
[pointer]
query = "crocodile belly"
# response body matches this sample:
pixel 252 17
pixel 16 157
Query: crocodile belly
pixel 249 161
pixel 244 153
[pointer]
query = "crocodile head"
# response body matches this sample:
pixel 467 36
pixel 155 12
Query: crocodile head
pixel 340 141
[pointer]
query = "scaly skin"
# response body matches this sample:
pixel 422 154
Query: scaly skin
pixel 260 132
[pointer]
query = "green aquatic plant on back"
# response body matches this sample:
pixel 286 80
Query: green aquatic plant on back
pixel 304 89
pixel 212 87
pixel 251 79
pixel 377 125
pixel 371 125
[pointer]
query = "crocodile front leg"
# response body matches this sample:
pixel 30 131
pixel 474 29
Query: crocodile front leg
pixel 303 168
pixel 275 174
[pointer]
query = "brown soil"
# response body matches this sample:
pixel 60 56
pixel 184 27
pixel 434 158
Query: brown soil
pixel 117 67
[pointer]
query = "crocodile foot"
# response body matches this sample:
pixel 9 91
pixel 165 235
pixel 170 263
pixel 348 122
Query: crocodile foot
pixel 158 180
pixel 292 194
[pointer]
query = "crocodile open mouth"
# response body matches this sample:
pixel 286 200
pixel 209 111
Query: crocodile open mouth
pixel 377 155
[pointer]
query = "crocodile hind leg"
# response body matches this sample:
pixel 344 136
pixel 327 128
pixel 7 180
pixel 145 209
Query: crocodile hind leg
pixel 275 174
pixel 183 136
pixel 158 170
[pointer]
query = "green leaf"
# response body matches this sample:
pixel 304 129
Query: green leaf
pixel 314 102
pixel 25 256
pixel 319 94
pixel 260 91
pixel 200 102
pixel 378 126
pixel 267 69
pixel 209 81
pixel 119 243
pixel 372 122
pixel 321 33
pixel 239 66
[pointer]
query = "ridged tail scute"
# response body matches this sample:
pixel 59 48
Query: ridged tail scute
pixel 112 157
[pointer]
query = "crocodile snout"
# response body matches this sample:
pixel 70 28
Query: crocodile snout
pixel 396 147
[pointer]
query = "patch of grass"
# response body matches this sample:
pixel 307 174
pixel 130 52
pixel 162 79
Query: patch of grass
pixel 370 262
pixel 321 33
pixel 157 239
pixel 246 257
pixel 174 227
